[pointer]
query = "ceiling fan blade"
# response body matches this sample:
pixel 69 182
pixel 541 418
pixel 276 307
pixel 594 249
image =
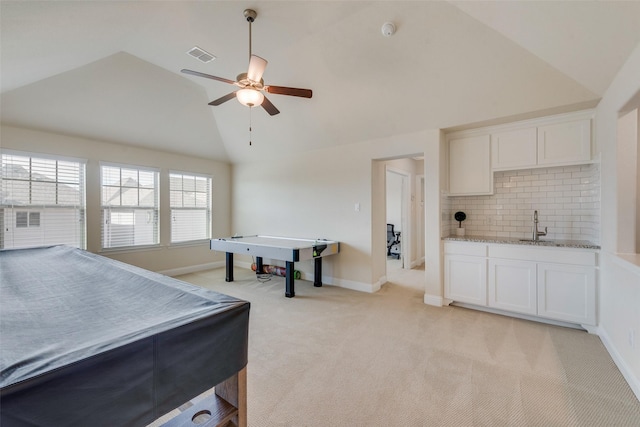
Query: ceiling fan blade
pixel 208 76
pixel 223 99
pixel 269 107
pixel 292 91
pixel 256 68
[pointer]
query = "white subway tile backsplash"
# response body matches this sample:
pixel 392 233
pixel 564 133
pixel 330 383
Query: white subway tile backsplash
pixel 567 199
pixel 563 175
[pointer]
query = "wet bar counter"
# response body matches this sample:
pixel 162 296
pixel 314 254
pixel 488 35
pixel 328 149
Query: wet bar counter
pixel 578 244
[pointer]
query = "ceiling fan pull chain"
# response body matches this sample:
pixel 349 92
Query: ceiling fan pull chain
pixel 250 126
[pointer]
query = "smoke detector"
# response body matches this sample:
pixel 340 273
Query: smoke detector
pixel 388 29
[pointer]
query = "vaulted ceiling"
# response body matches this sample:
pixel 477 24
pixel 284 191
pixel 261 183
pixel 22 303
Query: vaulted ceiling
pixel 110 70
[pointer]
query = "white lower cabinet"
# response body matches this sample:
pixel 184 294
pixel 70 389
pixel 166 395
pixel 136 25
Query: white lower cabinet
pixel 512 285
pixel 548 282
pixel 465 279
pixel 567 292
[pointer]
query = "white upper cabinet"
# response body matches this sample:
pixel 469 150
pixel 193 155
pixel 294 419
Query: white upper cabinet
pixel 514 149
pixel 564 143
pixel 549 141
pixel 470 165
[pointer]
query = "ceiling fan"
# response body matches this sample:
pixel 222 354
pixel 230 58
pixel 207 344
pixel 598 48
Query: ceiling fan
pixel 251 83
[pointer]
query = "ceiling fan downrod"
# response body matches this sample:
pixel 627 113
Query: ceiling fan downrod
pixel 251 15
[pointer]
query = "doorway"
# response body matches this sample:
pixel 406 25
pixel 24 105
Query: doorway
pixel 404 208
pixel 397 192
pixel 420 215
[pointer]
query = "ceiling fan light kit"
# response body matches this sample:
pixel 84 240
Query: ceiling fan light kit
pixel 250 97
pixel 251 83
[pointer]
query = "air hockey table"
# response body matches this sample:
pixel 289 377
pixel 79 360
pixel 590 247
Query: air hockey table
pixel 290 250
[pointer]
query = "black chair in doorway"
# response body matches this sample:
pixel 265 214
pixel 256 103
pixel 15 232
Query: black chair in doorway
pixel 393 242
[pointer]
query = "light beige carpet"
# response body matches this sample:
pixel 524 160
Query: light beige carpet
pixel 335 357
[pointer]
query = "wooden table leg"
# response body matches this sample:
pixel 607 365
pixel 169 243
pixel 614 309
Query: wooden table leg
pixel 234 391
pixel 227 405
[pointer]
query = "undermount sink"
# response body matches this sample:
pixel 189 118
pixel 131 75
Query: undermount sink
pixel 534 241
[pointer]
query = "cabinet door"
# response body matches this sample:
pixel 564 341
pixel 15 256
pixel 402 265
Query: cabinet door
pixel 512 285
pixel 470 166
pixel 564 143
pixel 514 149
pixel 465 279
pixel 567 292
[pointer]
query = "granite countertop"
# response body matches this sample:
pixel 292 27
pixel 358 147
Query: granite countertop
pixel 581 244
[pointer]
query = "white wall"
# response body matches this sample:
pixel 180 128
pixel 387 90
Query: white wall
pixel 166 257
pixel 627 168
pixel 314 194
pixel 619 280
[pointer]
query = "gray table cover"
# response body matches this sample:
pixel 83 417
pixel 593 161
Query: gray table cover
pixel 89 341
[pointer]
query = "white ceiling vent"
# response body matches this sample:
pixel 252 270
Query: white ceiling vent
pixel 201 54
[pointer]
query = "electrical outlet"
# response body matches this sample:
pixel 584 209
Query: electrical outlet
pixel 632 338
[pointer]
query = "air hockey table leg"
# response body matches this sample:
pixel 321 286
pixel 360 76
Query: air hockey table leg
pixel 317 272
pixel 289 281
pixel 229 263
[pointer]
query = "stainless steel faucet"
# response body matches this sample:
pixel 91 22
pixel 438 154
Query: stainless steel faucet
pixel 536 233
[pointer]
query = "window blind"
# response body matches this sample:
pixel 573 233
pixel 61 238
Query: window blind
pixel 42 201
pixel 190 200
pixel 129 206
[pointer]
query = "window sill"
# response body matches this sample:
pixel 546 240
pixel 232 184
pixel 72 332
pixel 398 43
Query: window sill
pixel 128 249
pixel 191 243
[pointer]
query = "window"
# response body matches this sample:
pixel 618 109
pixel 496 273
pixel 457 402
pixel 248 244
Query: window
pixel 129 206
pixel 190 198
pixel 27 219
pixel 42 200
pixel 22 219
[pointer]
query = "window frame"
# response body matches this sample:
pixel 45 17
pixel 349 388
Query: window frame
pixel 80 207
pixel 208 208
pixel 155 209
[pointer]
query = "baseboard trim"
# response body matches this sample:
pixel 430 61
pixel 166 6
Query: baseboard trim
pixel 327 280
pixel 356 286
pixel 633 382
pixel 192 268
pixel 417 262
pixel 435 300
pixel 242 264
pixel 519 315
